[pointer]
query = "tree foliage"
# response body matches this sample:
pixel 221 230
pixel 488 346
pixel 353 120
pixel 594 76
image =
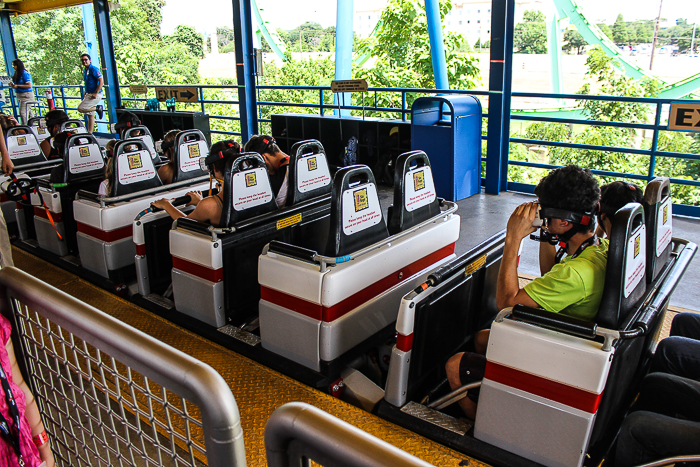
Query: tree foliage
pixel 309 37
pixel 620 33
pixel 190 38
pixel 574 41
pixel 531 34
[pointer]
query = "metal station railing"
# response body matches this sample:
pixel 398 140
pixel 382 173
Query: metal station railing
pixel 111 395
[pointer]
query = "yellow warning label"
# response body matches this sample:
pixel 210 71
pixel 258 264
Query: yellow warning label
pixel 250 179
pixel 22 140
pixel 135 161
pixel 289 221
pixel 665 213
pixel 419 180
pixel 361 201
pixel 475 265
pixel 312 163
pixel 637 242
pixel 193 150
pixel 84 152
pixel 41 130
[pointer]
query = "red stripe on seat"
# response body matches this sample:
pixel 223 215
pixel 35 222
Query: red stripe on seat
pixel 41 212
pixel 404 343
pixel 341 308
pixel 3 197
pixel 140 249
pixel 301 306
pixel 106 235
pixel 552 390
pixel 203 272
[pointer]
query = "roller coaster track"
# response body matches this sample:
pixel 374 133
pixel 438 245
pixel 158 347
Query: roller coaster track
pixel 276 43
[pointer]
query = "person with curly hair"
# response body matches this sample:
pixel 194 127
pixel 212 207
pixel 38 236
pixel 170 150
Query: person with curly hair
pixel 572 278
pixel 210 208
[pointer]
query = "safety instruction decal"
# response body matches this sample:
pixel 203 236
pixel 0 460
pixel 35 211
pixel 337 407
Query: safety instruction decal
pixel 475 265
pixel 41 130
pixel 419 188
pixel 78 162
pixel 289 221
pixel 84 152
pixel 312 173
pixel 190 153
pixel 635 265
pixel 361 209
pixel 250 189
pixel 21 146
pixel 135 167
pixel 664 230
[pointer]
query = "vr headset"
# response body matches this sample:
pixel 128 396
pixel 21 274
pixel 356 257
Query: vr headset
pixel 115 127
pixel 545 213
pixel 162 146
pixel 206 162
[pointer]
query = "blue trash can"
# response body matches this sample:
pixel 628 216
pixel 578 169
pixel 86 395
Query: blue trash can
pixel 448 129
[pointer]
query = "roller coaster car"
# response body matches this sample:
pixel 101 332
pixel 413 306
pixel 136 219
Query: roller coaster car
pixel 74 125
pixel 36 124
pixel 104 224
pixel 143 134
pixel 555 388
pixel 23 146
pixel 83 168
pixel 315 308
pixel 214 270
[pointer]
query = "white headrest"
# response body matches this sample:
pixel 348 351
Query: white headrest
pixel 635 263
pixel 664 229
pixel 135 167
pixel 419 188
pixel 190 153
pixel 361 209
pixel 85 157
pixel 251 188
pixel 21 146
pixel 312 172
pixel 148 141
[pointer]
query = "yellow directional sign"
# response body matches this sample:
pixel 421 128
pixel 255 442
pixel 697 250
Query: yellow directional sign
pixel 684 116
pixel 138 88
pixel 180 94
pixel 349 85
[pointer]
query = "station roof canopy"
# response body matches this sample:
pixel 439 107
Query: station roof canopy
pixel 32 6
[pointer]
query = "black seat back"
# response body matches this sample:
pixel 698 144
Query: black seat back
pixel 82 158
pixel 190 146
pixel 307 174
pixel 625 273
pixel 23 148
pixel 38 128
pixel 133 168
pixel 657 208
pixel 247 189
pixel 415 199
pixel 74 125
pixel 142 133
pixel 356 216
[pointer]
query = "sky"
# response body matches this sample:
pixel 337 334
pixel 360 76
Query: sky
pixel 286 14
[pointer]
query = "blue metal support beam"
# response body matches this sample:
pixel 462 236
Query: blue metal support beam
pixel 245 68
pixel 109 64
pixel 91 47
pixel 8 51
pixel 343 49
pixel 500 81
pixel 437 44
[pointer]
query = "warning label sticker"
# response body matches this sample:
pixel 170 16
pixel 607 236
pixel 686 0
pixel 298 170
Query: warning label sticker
pixel 85 158
pixel 84 152
pixel 251 189
pixel 193 150
pixel 361 209
pixel 664 230
pixel 22 146
pixel 289 221
pixel 312 173
pixel 135 167
pixel 190 153
pixel 635 267
pixel 22 141
pixel 419 188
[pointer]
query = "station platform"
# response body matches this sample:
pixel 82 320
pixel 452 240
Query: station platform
pixel 257 389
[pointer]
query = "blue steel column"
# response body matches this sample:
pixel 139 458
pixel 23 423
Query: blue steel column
pixel 91 49
pixel 499 95
pixel 437 44
pixel 245 68
pixel 343 49
pixel 8 50
pixel 109 64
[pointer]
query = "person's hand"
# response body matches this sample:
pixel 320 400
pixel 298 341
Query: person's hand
pixel 520 222
pixel 12 120
pixel 195 198
pixel 12 85
pixel 7 165
pixel 161 203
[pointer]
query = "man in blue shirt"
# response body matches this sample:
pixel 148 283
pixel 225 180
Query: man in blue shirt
pixel 93 91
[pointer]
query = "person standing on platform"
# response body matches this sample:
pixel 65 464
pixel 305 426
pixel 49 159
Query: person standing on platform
pixel 22 84
pixel 93 91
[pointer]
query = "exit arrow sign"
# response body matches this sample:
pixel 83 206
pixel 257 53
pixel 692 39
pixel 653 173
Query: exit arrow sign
pixel 180 94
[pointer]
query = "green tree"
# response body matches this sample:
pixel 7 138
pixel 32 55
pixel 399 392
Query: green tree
pixel 190 38
pixel 224 35
pixel 531 34
pixel 574 41
pixel 620 32
pixel 402 48
pixel 154 14
pixel 605 29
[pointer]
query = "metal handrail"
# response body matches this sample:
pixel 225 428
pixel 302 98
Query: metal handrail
pixel 331 439
pixel 172 369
